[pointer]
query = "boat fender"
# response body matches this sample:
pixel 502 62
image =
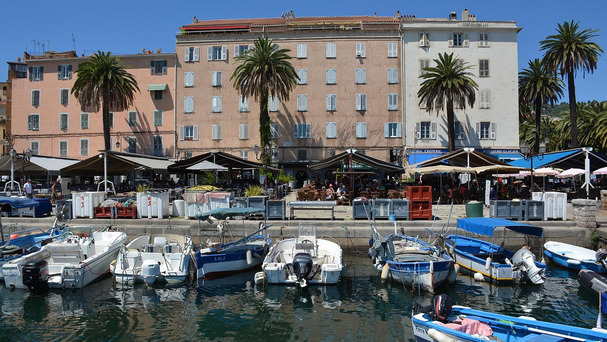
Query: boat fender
pixel 451 249
pixel 528 318
pixel 439 336
pixel 488 263
pixel 431 267
pixel 385 271
pixel 573 262
pixel 249 257
pixel 479 276
pixel 453 274
pixel 113 265
pixel 543 261
pixel 260 278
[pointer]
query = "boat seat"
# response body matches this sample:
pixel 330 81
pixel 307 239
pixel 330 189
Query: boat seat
pixel 65 253
pixel 305 245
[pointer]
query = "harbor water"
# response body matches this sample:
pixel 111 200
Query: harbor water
pixel 360 308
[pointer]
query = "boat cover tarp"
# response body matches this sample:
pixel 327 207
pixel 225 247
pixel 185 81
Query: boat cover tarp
pixel 486 226
pixel 223 213
pixel 17 202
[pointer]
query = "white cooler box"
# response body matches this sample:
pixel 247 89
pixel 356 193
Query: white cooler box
pixel 152 204
pixel 84 203
pixel 555 204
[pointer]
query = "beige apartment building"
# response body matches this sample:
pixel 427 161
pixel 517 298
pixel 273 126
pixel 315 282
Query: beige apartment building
pixel 348 95
pixel 48 120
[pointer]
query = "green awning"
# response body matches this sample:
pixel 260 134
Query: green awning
pixel 161 86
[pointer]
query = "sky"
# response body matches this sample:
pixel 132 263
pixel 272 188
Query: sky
pixel 128 26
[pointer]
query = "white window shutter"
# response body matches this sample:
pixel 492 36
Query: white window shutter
pixel 241 131
pixel 224 53
pixel 328 130
pixel 418 130
pixel 236 50
pixel 493 131
pixel 399 130
pixel 328 102
pixel 358 102
pixel 466 40
pixel 304 50
pixel 362 50
pixel 187 54
pixel 181 132
pixel 209 53
pixel 386 130
pixel 305 102
pixel 433 130
pixel 251 46
pixel 195 132
pixel 246 131
pixel 478 130
pixel 363 101
pixel 308 130
pixel 196 54
pixel 451 41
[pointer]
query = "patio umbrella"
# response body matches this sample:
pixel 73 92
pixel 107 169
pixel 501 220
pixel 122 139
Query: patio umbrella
pixel 571 173
pixel 601 171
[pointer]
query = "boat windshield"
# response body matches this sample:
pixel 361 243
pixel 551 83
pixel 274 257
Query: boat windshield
pixel 306 229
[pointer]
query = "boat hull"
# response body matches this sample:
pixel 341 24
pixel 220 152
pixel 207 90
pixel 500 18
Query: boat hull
pixel 573 257
pixel 428 275
pixel 27 244
pixel 231 260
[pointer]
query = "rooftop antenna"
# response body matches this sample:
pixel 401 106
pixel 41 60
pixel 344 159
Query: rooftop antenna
pixel 74 42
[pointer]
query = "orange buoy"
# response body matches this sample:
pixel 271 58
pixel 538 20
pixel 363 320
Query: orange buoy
pixel 14 236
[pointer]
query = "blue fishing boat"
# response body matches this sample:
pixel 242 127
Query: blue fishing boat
pixel 575 257
pixel 493 263
pixel 221 259
pixel 457 323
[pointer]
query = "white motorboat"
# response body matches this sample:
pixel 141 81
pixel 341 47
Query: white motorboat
pixel 303 260
pixel 161 259
pixel 75 260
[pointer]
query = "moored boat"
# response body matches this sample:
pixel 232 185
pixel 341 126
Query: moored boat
pixel 592 281
pixel 575 257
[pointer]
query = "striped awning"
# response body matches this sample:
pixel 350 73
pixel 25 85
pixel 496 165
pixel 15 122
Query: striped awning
pixel 159 86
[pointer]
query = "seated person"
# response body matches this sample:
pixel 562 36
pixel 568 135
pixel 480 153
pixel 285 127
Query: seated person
pixel 342 194
pixel 330 193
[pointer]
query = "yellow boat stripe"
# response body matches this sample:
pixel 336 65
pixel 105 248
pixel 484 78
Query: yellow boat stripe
pixel 485 274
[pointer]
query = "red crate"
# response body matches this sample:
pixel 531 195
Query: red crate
pixel 121 212
pixel 419 193
pixel 420 210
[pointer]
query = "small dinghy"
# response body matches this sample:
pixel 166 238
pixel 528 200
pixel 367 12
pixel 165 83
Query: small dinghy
pixel 575 257
pixel 592 281
pixel 154 260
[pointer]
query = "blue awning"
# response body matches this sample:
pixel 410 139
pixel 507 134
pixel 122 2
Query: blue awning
pixel 507 157
pixel 545 159
pixel 415 158
pixel 486 226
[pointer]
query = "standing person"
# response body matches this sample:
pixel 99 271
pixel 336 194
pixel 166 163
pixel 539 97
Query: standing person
pixel 27 188
pixel 56 190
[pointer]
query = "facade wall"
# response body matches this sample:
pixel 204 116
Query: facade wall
pixel 51 137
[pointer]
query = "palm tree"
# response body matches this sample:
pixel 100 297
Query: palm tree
pixel 104 82
pixel 593 124
pixel 265 71
pixel 567 51
pixel 538 85
pixel 450 83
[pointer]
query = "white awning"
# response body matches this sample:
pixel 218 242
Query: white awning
pixel 150 163
pixel 206 165
pixel 52 164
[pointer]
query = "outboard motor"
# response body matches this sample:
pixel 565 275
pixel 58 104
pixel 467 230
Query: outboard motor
pixel 35 276
pixel 302 266
pixel 601 256
pixel 150 271
pixel 525 260
pixel 439 310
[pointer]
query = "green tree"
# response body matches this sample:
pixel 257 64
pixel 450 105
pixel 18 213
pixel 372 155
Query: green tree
pixel 538 85
pixel 592 124
pixel 265 71
pixel 569 50
pixel 447 84
pixel 104 82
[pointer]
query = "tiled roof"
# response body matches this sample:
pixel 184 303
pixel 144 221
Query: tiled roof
pixel 287 21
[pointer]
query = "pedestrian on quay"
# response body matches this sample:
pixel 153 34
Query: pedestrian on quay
pixel 27 188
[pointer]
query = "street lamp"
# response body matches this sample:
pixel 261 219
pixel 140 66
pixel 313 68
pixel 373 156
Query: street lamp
pixel 396 154
pixel 12 154
pixel 587 171
pixel 468 150
pixel 25 157
pixel 266 149
pixel 529 154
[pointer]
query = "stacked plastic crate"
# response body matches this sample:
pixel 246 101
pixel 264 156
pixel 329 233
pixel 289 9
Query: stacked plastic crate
pixel 420 202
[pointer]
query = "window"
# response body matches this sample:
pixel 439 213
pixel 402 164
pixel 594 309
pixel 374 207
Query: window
pixel 302 155
pixel 360 50
pixel 158 118
pixel 273 103
pixel 84 120
pixel 361 76
pixel 302 50
pixel 192 54
pixel 33 122
pixel 158 67
pixel 485 99
pixel 35 98
pixel 393 101
pixel 241 49
pixel 244 154
pixel 189 79
pixel 331 50
pixel 36 73
pixel 63 148
pixel 158 95
pixel 302 103
pixel 425 130
pixel 424 39
pixel 132 120
pixel 392 130
pixel 392 76
pixel 423 65
pixel 63 119
pixel 84 147
pixel 483 68
pixel 157 147
pixel 458 39
pixel 111 119
pixel 331 76
pixel 361 102
pixel 216 132
pixel 331 130
pixel 216 103
pixel 274 132
pixel 64 72
pixel 301 131
pixel 188 104
pixel 459 130
pixel 64 96
pixel 132 144
pixel 331 102
pixel 243 103
pixel 330 152
pixel 483 40
pixel 217 53
pixel 392 50
pixel 216 82
pixel 35 147
pixel 361 130
pixel 486 130
pixel 188 132
pixel 303 76
pixel 243 131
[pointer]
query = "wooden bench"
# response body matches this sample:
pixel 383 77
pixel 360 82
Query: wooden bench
pixel 312 205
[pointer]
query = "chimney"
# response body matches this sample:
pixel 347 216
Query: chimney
pixel 398 14
pixel 452 16
pixel 465 14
